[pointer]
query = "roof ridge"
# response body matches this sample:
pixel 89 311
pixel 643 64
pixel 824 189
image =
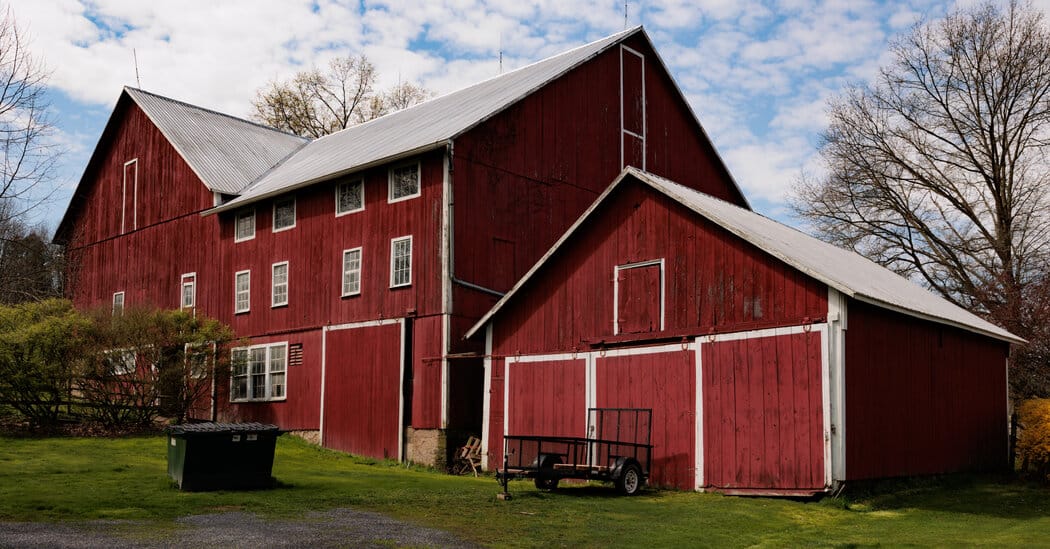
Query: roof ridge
pixel 215 112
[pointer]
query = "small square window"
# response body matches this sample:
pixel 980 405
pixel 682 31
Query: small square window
pixel 245 225
pixel 279 290
pixel 283 214
pixel 351 272
pixel 242 291
pixel 349 197
pixel 404 182
pixel 401 261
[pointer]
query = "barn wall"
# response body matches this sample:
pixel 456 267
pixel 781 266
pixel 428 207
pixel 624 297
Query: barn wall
pixel 301 409
pixel 921 398
pixel 712 279
pixel 170 239
pixel 522 177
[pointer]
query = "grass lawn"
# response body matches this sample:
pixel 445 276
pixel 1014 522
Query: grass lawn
pixel 75 479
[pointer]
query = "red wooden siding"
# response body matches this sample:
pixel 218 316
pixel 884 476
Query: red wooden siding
pixel 547 398
pixel 666 383
pixel 301 408
pixel 921 398
pixel 638 299
pixel 763 413
pixel 523 176
pixel 363 391
pixel 426 373
pixel 497 413
pixel 714 280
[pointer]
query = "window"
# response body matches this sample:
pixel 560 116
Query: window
pixel 242 292
pixel 349 197
pixel 245 225
pixel 118 303
pixel 259 372
pixel 129 196
pixel 404 182
pixel 120 362
pixel 283 214
pixel 401 261
pixel 200 359
pixel 351 272
pixel 279 288
pixel 188 291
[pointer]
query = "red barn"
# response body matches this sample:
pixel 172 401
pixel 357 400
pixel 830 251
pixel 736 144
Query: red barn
pixel 774 363
pixel 354 264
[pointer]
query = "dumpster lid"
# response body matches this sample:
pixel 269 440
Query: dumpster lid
pixel 220 428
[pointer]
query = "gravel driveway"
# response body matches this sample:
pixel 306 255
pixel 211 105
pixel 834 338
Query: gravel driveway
pixel 335 528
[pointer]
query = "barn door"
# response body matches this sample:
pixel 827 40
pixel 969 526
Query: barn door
pixel 639 297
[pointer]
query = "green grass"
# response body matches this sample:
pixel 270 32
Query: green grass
pixel 77 479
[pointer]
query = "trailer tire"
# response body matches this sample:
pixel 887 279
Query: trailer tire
pixel 630 480
pixel 545 478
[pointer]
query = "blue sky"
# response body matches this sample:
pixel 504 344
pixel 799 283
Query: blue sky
pixel 758 74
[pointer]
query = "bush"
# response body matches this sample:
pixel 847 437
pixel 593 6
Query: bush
pixel 1033 441
pixel 40 344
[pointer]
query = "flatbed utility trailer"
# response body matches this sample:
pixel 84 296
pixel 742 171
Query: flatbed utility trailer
pixel 616 449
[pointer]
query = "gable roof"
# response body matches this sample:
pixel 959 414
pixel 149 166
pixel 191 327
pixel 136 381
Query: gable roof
pixel 423 127
pixel 225 152
pixel 843 270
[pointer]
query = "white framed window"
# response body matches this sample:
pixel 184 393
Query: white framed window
pixel 118 303
pixel 349 197
pixel 351 272
pixel 200 359
pixel 188 291
pixel 120 362
pixel 129 196
pixel 258 372
pixel 279 285
pixel 283 214
pixel 242 291
pixel 401 261
pixel 245 225
pixel 403 182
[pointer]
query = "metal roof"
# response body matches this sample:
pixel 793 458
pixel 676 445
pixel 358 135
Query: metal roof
pixel 227 153
pixel 425 126
pixel 843 270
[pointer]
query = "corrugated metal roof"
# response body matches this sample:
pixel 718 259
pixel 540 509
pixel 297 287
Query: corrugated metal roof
pixel 845 271
pixel 227 153
pixel 421 127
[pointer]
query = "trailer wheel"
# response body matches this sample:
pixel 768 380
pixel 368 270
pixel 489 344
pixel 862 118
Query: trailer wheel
pixel 545 478
pixel 630 480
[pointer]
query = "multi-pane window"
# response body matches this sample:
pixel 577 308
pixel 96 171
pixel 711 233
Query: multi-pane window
pixel 404 182
pixel 120 362
pixel 188 291
pixel 242 291
pixel 283 214
pixel 349 197
pixel 352 272
pixel 401 261
pixel 279 288
pixel 258 372
pixel 118 303
pixel 245 225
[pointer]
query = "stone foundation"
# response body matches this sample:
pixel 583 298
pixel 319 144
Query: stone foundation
pixel 311 436
pixel 425 447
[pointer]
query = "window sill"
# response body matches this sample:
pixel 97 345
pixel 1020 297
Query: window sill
pixel 258 400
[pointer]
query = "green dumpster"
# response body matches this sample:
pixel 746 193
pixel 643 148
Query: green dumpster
pixel 222 456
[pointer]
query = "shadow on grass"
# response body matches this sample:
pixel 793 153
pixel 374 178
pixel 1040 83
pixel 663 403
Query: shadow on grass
pixel 988 495
pixel 584 491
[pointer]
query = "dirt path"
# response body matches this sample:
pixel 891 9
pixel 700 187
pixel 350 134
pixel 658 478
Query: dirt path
pixel 335 528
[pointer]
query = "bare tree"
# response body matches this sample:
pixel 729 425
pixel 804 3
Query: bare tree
pixel 315 103
pixel 27 152
pixel 939 169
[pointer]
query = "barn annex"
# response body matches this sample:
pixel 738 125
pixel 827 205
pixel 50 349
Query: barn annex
pixel 774 363
pixel 354 264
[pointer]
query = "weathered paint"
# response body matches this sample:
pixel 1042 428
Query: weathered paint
pixel 921 398
pixel 547 398
pixel 763 413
